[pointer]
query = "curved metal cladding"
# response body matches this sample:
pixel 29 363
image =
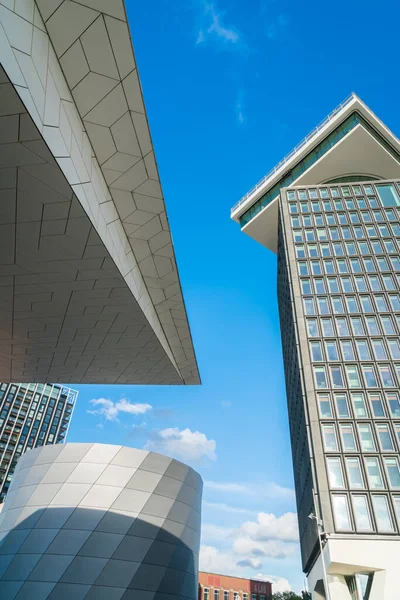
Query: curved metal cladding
pixel 100 522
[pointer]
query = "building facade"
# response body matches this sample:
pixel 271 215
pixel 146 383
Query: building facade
pixel 225 587
pixel 90 290
pixel 31 415
pixel 331 212
pixel 97 521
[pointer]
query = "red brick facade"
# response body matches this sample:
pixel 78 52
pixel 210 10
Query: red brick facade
pixel 224 587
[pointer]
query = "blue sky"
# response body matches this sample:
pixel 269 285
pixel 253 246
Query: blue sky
pixel 230 88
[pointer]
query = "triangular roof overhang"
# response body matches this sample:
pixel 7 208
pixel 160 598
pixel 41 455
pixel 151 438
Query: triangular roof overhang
pixel 352 141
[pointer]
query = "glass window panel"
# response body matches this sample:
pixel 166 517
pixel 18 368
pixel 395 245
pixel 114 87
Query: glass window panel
pixel 312 250
pixel 357 190
pixel 333 285
pixel 372 325
pixel 379 349
pixel 297 235
pixel 296 222
pixel 329 267
pixel 342 218
pixel 329 435
pixel 323 305
pixel 373 202
pixel 342 327
pixel 395 302
pixel 307 220
pixel 331 351
pixel 364 248
pixel 378 216
pixel 369 265
pixel 386 375
pixel 306 286
pixel 337 304
pixel 327 328
pixel 382 263
pixel 381 303
pixel 320 377
pixel 302 194
pixel 319 220
pixel 338 249
pixel 397 430
pixel 316 267
pixel 300 252
pixel 388 195
pixel 351 248
pixel 304 207
pixel 353 376
pixel 327 205
pixel 319 285
pixel 374 283
pixel 346 233
pixel 338 205
pixel 383 230
pixel 352 306
pixel 321 234
pixel 291 196
pixel 348 438
pixel 354 218
pixel 374 473
pixel 363 350
pixel 360 408
pixel 367 440
pixel 310 236
pixel 393 471
pixel 341 512
pixel 335 192
pixel 316 351
pixel 325 408
pixel 361 283
pixel 366 216
pixel 382 514
pixel 394 404
pixel 323 193
pixel 388 326
pixel 361 513
pixel 303 268
pixel 312 327
pixel 390 214
pixel 390 247
pixel 388 283
pixel 336 377
pixel 369 376
pixel 376 247
pixel 377 405
pixel 368 189
pixel 361 203
pixel 357 325
pixel 293 208
pixel 347 350
pixel 355 265
pixel 335 472
pixel 396 500
pixel 358 232
pixel 346 190
pixel 315 206
pixel 371 231
pixel 395 263
pixel 309 307
pixel 385 439
pixel 312 193
pixel 396 229
pixel 354 473
pixel 347 284
pixel 366 304
pixel 397 368
pixel 342 406
pixel 350 204
pixel 342 266
pixel 394 348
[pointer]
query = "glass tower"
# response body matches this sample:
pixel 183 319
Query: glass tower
pixel 338 254
pixel 31 415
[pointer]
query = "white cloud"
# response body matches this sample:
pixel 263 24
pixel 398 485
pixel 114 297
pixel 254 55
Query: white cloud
pixel 182 444
pixel 253 563
pixel 213 28
pixel 262 490
pixel 229 509
pixel 209 531
pixel 268 526
pixel 111 410
pixel 279 584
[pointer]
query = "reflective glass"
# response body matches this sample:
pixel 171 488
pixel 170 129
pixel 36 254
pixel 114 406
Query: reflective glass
pixel 361 513
pixel 335 472
pixel 327 327
pixel 342 327
pixel 348 439
pixel 342 406
pixel 325 408
pixel 363 350
pixel 354 473
pixel 382 513
pixel 341 511
pixel 320 377
pixel 394 404
pixel 329 436
pixel 336 377
pixel 360 409
pixel 374 283
pixel 331 351
pixel 379 349
pixel 385 439
pixel 377 405
pixel 369 376
pixel 374 473
pixel 367 441
pixel 347 350
pixel 312 327
pixel 386 375
pixel 357 325
pixel 388 194
pixel 316 351
pixel 353 376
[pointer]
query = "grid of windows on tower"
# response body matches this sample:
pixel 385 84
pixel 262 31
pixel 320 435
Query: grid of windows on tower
pixel 347 248
pixel 31 415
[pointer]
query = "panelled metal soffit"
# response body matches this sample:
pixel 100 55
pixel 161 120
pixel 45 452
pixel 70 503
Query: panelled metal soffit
pixel 351 141
pixel 90 290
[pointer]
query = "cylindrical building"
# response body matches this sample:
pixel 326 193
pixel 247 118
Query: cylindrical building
pixel 100 522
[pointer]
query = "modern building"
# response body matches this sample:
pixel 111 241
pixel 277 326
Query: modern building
pixel 100 522
pixel 90 291
pixel 331 212
pixel 31 415
pixel 225 587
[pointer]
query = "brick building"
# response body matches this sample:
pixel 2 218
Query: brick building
pixel 224 587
